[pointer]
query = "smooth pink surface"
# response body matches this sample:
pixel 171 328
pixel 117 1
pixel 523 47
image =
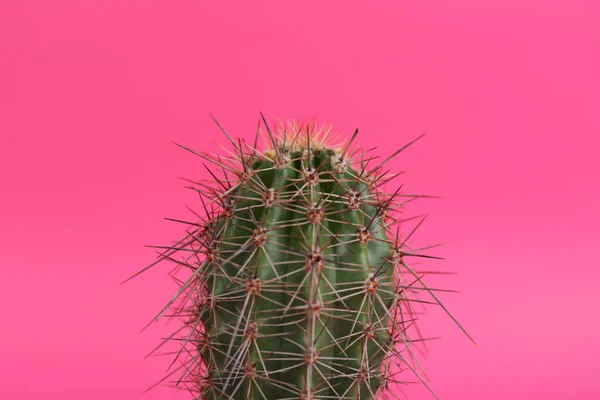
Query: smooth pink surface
pixel 92 93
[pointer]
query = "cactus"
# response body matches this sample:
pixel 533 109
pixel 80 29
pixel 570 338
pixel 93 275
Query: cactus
pixel 298 284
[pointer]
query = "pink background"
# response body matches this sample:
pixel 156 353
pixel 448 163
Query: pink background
pixel 92 93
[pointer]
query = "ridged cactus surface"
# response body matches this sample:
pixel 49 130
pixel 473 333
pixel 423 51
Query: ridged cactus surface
pixel 298 284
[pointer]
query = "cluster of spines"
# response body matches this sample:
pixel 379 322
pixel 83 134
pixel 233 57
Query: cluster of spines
pixel 299 286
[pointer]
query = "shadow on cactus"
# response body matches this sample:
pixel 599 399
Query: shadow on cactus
pixel 296 282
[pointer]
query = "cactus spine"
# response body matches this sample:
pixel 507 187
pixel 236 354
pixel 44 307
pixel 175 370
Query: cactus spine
pixel 298 285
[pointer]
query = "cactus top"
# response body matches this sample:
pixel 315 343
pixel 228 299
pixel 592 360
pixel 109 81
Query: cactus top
pixel 298 286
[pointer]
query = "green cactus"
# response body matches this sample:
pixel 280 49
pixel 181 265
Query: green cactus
pixel 298 285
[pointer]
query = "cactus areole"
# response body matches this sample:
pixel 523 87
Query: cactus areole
pixel 296 283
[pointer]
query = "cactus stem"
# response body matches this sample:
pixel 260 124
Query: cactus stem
pixel 298 285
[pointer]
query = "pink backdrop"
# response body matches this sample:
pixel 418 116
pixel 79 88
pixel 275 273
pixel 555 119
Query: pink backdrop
pixel 92 93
